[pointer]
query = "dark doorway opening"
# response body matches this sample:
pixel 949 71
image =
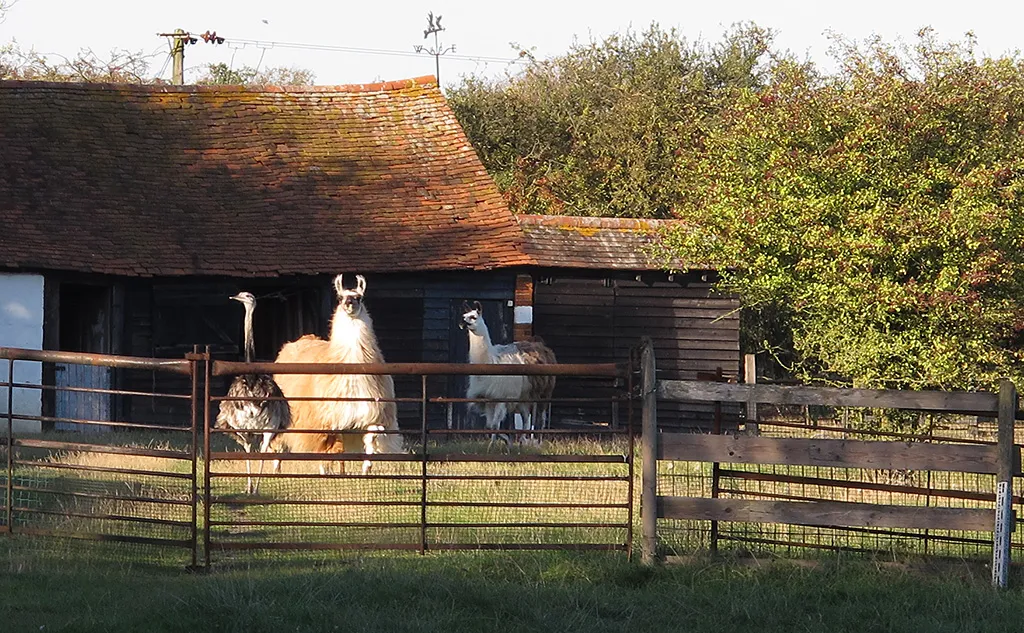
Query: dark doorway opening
pixel 84 326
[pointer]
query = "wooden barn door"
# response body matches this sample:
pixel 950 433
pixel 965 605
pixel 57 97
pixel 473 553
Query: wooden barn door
pixel 85 318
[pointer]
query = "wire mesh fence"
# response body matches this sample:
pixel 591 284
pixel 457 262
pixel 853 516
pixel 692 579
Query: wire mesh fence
pixel 107 461
pixel 881 487
pixel 452 488
pixel 133 466
pixel 83 461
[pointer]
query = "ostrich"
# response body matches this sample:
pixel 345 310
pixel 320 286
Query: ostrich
pixel 352 341
pixel 520 390
pixel 256 413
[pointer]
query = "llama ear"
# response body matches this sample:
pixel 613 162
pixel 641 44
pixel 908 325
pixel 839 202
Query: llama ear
pixel 360 284
pixel 479 308
pixel 339 285
pixel 465 307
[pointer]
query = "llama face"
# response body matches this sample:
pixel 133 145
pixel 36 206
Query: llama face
pixel 350 301
pixel 472 318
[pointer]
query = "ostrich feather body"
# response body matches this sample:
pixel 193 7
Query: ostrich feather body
pixel 257 413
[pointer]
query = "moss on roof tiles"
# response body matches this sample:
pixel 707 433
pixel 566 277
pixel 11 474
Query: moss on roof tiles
pixel 220 167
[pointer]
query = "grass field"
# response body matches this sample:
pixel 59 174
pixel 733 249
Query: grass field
pixel 521 591
pixel 49 584
pixel 303 508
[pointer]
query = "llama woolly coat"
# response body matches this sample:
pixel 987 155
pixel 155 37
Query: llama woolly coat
pixel 352 341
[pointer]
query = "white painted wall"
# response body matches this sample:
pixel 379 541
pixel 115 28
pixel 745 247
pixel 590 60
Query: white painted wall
pixel 21 325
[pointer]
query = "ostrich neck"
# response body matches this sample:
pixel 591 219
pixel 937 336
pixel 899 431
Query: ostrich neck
pixel 480 345
pixel 250 346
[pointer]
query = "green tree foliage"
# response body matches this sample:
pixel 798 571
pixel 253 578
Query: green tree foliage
pixel 599 130
pixel 248 76
pixel 877 213
pixel 870 219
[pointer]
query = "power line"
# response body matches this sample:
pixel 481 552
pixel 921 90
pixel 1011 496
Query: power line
pixel 364 51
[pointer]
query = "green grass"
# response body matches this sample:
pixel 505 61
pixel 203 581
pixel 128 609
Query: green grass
pixel 676 478
pixel 51 584
pixel 496 592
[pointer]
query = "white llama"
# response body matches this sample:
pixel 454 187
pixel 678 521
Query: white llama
pixel 352 341
pixel 521 391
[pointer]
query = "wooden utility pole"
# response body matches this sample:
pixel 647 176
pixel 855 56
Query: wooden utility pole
pixel 178 58
pixel 179 38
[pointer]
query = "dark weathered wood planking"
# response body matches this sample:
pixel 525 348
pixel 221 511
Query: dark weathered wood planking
pixel 951 402
pixel 969 458
pixel 398 324
pixel 589 320
pixel 827 513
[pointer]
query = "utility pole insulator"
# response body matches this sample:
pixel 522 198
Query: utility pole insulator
pixel 179 38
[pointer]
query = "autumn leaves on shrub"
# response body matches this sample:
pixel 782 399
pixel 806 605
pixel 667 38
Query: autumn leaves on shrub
pixel 870 216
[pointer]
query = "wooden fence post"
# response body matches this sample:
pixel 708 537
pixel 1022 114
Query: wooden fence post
pixel 750 378
pixel 1004 485
pixel 649 453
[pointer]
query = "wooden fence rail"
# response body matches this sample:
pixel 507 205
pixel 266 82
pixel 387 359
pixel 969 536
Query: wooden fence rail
pixel 1002 460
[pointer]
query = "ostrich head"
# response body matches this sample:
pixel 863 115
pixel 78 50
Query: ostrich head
pixel 246 299
pixel 473 318
pixel 350 301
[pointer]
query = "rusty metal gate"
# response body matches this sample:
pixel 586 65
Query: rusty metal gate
pixel 137 475
pixel 451 489
pixel 97 476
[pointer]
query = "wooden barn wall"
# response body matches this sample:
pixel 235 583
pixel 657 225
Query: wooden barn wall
pixel 164 318
pixel 596 320
pixel 415 318
pixel 429 306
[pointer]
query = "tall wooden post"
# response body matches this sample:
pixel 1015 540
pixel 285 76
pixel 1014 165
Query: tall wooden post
pixel 649 453
pixel 1004 484
pixel 9 496
pixel 750 378
pixel 178 58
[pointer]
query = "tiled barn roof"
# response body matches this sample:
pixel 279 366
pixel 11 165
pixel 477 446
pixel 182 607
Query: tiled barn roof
pixel 172 180
pixel 561 241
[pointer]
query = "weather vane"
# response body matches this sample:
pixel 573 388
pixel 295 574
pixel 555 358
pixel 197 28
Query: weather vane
pixel 433 28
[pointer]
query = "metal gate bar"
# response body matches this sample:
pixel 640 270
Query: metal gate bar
pixel 427 458
pixel 95 508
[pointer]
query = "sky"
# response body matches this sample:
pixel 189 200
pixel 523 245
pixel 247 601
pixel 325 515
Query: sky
pixel 258 32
